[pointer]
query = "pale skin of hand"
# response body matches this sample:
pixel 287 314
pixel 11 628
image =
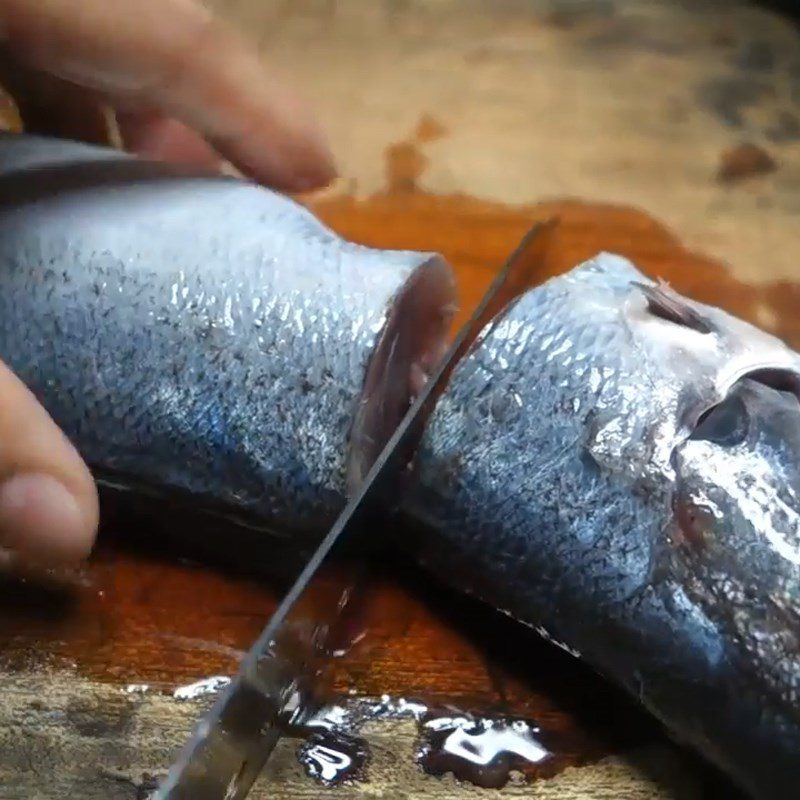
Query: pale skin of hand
pixel 185 87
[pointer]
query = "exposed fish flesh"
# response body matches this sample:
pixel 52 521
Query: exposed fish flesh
pixel 612 464
pixel 204 335
pixel 618 467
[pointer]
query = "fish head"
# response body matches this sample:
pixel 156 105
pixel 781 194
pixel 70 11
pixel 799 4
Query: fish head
pixel 703 410
pixel 735 537
pixel 732 544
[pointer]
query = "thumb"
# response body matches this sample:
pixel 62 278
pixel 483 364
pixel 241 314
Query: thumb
pixel 48 500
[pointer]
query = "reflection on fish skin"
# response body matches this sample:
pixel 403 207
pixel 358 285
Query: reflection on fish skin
pixel 640 503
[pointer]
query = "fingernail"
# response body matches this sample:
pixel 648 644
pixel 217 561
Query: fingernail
pixel 315 167
pixel 307 180
pixel 308 183
pixel 40 517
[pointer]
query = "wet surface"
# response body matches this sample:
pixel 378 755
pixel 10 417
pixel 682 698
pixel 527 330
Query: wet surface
pixel 333 758
pixel 487 750
pixel 414 640
pixel 481 751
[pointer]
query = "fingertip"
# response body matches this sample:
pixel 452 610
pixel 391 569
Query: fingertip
pixel 41 518
pixel 316 172
pixel 272 137
pixel 310 160
pixel 49 507
pixel 251 116
pixel 289 172
pixel 300 164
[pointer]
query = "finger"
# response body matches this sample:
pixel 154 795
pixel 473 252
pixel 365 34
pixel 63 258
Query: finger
pixel 48 500
pixel 55 107
pixel 51 106
pixel 153 136
pixel 173 54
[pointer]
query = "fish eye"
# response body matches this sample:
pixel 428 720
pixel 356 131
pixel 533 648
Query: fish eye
pixel 724 424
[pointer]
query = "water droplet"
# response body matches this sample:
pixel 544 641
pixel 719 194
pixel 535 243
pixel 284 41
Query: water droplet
pixel 481 751
pixel 332 757
pixel 201 688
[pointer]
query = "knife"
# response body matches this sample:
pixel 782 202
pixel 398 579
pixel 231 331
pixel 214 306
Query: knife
pixel 276 680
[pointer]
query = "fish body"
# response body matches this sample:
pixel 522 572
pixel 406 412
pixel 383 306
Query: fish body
pixel 619 467
pixel 204 336
pixel 612 464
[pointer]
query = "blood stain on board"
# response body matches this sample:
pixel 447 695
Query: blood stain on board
pixel 405 165
pixel 744 160
pixel 477 235
pixel 429 129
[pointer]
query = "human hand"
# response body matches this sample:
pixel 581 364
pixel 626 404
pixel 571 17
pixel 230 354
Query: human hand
pixel 185 87
pixel 183 84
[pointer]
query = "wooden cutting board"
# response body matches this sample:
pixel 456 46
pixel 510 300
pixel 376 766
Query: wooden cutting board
pixel 666 134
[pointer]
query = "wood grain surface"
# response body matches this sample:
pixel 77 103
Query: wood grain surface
pixel 656 130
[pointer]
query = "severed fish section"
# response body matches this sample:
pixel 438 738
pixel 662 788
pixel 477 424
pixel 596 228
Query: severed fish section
pixel 618 467
pixel 201 335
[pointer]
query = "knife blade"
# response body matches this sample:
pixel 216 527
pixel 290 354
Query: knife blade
pixel 275 683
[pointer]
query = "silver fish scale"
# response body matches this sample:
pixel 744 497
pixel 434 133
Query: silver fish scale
pixel 531 368
pixel 202 334
pixel 545 483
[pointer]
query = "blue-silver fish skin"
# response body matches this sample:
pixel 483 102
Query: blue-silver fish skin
pixel 200 334
pixel 615 467
pixel 618 467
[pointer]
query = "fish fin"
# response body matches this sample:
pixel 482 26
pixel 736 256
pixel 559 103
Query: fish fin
pixel 664 302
